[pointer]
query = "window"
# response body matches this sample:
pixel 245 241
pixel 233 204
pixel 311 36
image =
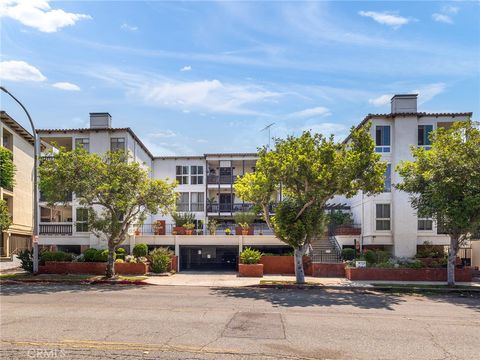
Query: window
pixel 197 201
pixel 196 175
pixel 85 143
pixel 423 133
pixel 382 138
pixel 182 201
pixel 182 175
pixel 117 144
pixel 425 224
pixel 387 187
pixel 82 217
pixel 383 217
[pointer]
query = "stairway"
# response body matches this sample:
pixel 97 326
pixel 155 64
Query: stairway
pixel 324 251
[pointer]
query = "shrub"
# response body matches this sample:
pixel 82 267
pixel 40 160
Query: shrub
pixel 55 256
pixel 130 259
pixel 140 250
pixel 89 255
pixel 160 260
pixel 26 260
pixel 212 226
pixel 348 254
pixel 382 256
pixel 189 226
pixel 370 257
pixel 119 261
pixel 102 256
pixel 182 219
pixel 244 219
pixel 120 253
pixel 250 256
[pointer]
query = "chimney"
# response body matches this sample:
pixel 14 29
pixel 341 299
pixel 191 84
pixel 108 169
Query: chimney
pixel 100 120
pixel 406 103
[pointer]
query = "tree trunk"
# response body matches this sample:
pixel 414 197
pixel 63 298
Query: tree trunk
pixel 110 262
pixel 452 259
pixel 299 272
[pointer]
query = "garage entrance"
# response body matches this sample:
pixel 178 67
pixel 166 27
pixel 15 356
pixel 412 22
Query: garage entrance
pixel 208 258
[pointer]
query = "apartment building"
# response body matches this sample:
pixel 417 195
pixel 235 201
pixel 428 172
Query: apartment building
pixel 387 220
pixel 19 197
pixel 205 187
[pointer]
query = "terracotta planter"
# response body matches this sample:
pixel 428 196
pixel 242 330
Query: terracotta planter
pixel 240 231
pixel 347 230
pixel 179 230
pixel 250 270
pixel 137 232
pixel 188 231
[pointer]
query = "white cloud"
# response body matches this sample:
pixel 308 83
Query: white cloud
pixel 15 70
pixel 210 95
pixel 339 131
pixel 186 68
pixel 128 27
pixel 381 100
pixel 311 112
pixel 386 18
pixel 66 86
pixel 163 134
pixel 428 92
pixel 38 14
pixel 450 9
pixel 442 18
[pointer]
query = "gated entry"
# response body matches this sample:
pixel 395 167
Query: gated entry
pixel 208 258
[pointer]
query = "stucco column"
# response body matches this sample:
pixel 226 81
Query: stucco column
pixel 240 244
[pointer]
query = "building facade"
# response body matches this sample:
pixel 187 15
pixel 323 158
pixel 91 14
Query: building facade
pixel 19 197
pixel 205 187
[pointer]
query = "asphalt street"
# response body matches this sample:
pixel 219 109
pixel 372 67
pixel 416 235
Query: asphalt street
pixel 126 322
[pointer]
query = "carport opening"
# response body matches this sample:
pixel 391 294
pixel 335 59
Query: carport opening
pixel 208 258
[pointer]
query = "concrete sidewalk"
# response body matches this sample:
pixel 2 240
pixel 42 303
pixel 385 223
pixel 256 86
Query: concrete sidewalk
pixel 230 279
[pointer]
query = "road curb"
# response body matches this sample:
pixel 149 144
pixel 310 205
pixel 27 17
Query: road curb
pixel 366 288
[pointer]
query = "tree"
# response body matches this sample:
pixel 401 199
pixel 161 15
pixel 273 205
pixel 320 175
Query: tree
pixel 5 218
pixel 444 183
pixel 7 169
pixel 117 192
pixel 311 169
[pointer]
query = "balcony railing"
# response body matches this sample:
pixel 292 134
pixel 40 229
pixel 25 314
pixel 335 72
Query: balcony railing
pixel 222 179
pixel 228 208
pixel 152 229
pixel 56 228
pixel 345 229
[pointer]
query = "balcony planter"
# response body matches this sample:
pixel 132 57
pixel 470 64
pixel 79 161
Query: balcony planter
pixel 188 232
pixel 347 230
pixel 240 231
pixel 137 232
pixel 159 227
pixel 178 230
pixel 250 270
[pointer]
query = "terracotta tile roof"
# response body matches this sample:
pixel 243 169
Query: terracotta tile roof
pixel 419 114
pixel 81 130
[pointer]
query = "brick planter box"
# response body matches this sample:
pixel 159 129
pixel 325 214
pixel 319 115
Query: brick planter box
pixel 238 230
pixel 284 265
pixel 347 230
pixel 439 274
pixel 328 270
pixel 250 270
pixel 91 268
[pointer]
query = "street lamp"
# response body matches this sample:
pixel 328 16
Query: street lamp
pixel 36 151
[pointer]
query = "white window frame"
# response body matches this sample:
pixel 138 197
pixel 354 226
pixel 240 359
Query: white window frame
pixel 425 221
pixel 183 206
pixel 195 176
pixel 383 148
pixel 183 175
pixel 383 219
pixel 84 142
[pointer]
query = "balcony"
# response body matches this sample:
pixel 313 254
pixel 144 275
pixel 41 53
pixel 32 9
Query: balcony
pixel 56 228
pixel 222 179
pixel 67 198
pixel 228 208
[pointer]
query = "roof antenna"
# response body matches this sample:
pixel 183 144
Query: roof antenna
pixel 269 137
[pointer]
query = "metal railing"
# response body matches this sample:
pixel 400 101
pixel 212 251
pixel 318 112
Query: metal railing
pixel 56 228
pixel 151 229
pixel 229 207
pixel 325 256
pixel 221 179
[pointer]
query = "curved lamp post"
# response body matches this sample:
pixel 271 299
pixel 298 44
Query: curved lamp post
pixel 36 152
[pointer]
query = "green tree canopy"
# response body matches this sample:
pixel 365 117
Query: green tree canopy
pixel 117 191
pixel 310 169
pixel 7 169
pixel 444 183
pixel 5 218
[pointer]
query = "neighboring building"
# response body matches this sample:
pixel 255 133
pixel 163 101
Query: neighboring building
pixel 387 220
pixel 19 197
pixel 205 187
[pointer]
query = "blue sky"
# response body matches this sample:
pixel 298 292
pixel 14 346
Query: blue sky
pixel 199 77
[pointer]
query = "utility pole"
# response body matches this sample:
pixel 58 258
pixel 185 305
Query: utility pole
pixel 36 152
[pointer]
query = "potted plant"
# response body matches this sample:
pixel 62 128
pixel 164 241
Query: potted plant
pixel 137 231
pixel 180 220
pixel 212 226
pixel 228 231
pixel 189 228
pixel 244 220
pixel 249 263
pixel 159 227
